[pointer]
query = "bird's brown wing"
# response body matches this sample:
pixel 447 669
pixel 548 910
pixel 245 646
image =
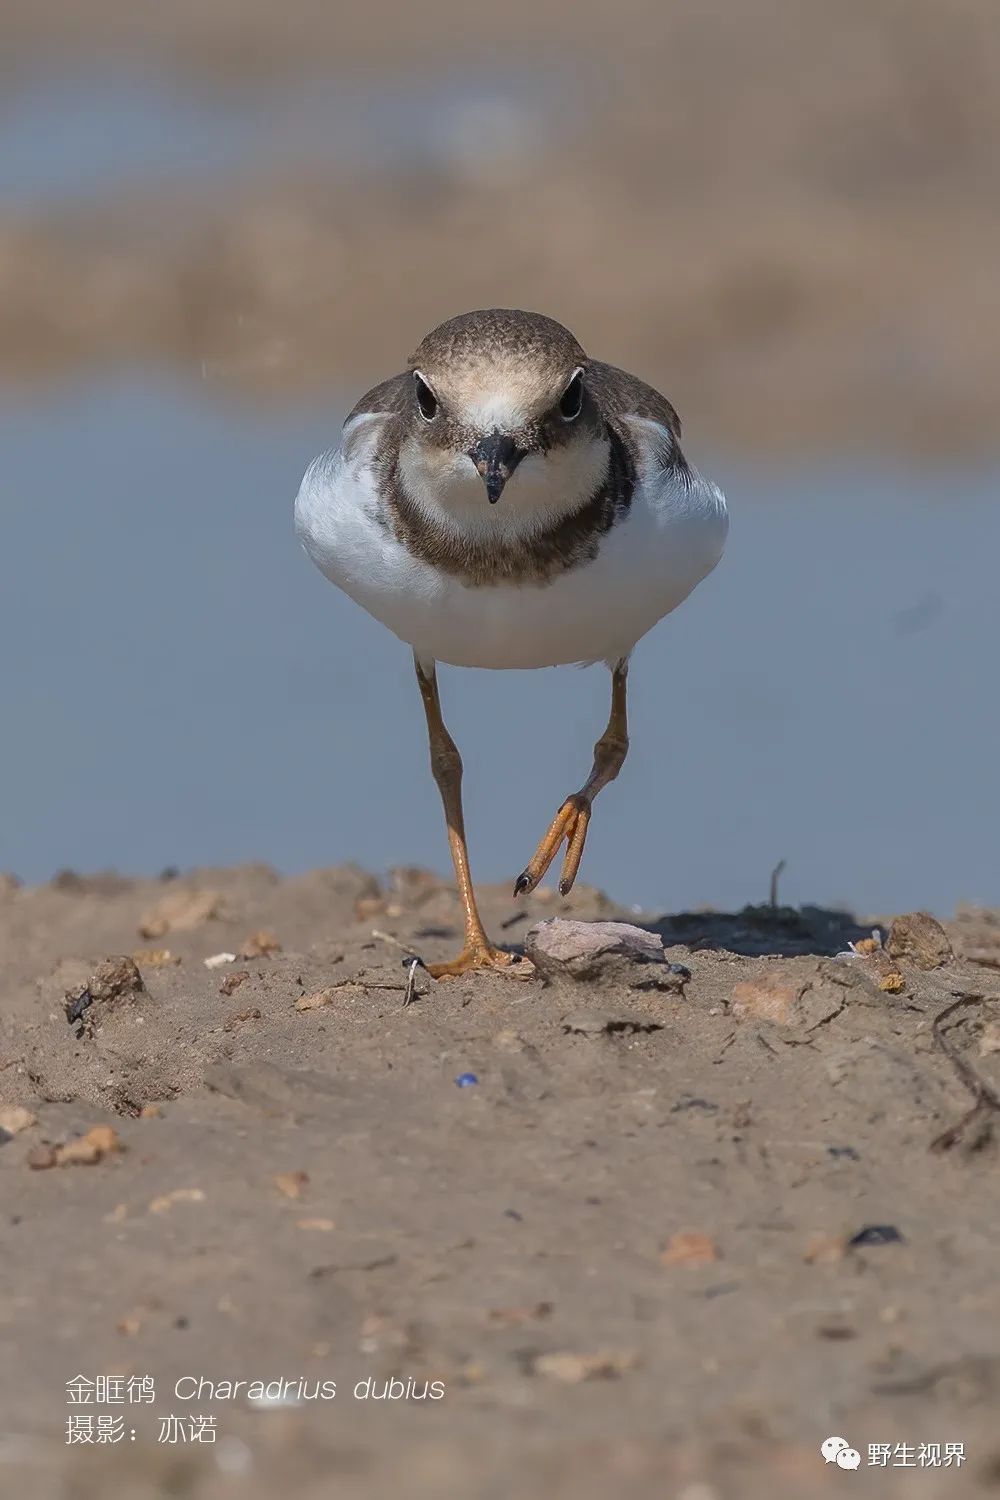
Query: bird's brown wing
pixel 389 396
pixel 623 395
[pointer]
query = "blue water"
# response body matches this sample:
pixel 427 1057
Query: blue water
pixel 74 135
pixel 179 685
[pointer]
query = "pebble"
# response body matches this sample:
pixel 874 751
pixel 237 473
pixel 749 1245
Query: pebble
pixel 565 949
pixel 86 1150
pixel 571 1369
pixel 14 1118
pixel 875 1234
pixel 689 1247
pixel 166 1201
pixel 233 981
pixel 260 944
pixel 824 1250
pixel 218 960
pixel 316 1000
pixel 238 1017
pixel 155 958
pixel 512 1317
pixel 291 1183
pixel 113 977
pixel 919 936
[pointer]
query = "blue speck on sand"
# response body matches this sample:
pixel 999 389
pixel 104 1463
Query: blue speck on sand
pixel 466 1080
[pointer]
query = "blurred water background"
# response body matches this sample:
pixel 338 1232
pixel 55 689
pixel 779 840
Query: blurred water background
pixel 180 686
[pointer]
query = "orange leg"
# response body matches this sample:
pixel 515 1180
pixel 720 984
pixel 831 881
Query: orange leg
pixel 571 822
pixel 446 767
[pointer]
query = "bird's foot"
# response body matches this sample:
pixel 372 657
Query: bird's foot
pixel 570 824
pixel 480 955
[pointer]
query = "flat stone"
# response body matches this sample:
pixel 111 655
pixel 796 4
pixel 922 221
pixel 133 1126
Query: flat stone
pixel 565 949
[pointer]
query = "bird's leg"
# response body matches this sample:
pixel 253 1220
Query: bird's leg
pixel 573 818
pixel 446 767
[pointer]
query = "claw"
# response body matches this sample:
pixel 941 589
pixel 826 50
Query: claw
pixel 479 957
pixel 570 824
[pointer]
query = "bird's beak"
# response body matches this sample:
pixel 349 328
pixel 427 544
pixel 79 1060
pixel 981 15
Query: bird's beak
pixel 496 457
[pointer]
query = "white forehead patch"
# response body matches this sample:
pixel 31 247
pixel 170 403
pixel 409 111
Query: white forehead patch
pixel 498 398
pixel 502 409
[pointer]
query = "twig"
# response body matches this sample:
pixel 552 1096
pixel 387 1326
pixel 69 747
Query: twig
pixel 387 937
pixel 987 1100
pixel 411 982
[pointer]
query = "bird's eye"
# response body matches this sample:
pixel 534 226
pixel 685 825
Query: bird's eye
pixel 571 400
pixel 427 402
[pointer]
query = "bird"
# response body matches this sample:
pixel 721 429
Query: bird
pixel 508 502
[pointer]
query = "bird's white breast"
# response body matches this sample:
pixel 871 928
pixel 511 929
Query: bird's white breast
pixel 647 564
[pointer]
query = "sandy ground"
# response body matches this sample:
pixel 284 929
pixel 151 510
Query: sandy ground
pixel 783 212
pixel 305 1192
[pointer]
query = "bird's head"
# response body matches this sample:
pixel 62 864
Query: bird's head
pixel 498 394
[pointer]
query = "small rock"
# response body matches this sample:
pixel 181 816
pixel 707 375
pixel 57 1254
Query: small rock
pixel 766 999
pixel 260 945
pixel 512 1317
pixel 322 1225
pixel 571 1369
pixel 155 958
pixel 219 960
pixel 233 981
pixel 875 1234
pixel 166 1201
pixel 689 1247
pixel 150 1112
pixel 237 1018
pixel 824 1250
pixel 920 937
pixel 565 949
pixel 317 1000
pixel 76 1004
pixel 87 1150
pixel 291 1183
pixel 14 1118
pixel 892 982
pixel 180 911
pixel 115 976
pixel 40 1158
